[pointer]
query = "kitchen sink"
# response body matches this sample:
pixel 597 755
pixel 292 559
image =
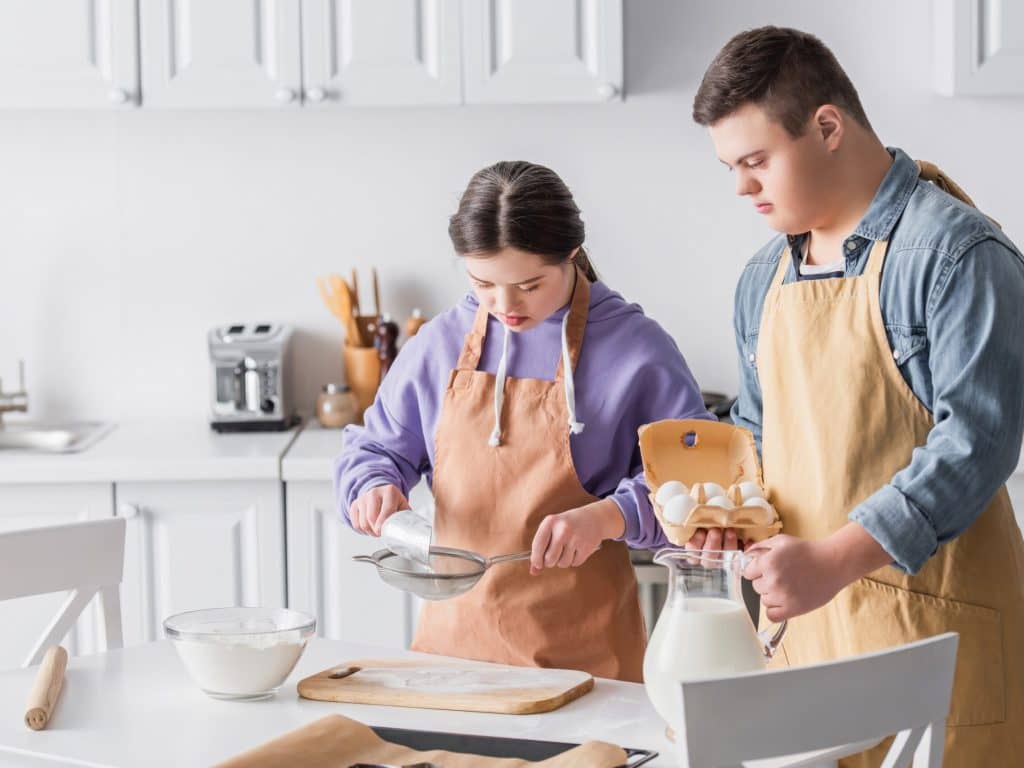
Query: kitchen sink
pixel 53 437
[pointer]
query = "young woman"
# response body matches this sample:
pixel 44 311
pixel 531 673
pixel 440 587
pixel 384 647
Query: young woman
pixel 521 405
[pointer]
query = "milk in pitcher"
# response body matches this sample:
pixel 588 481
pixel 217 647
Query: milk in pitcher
pixel 695 638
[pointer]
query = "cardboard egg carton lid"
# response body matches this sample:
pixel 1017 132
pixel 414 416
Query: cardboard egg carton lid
pixel 698 451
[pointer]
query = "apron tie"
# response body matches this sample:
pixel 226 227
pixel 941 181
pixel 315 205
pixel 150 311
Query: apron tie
pixel 575 427
pixel 499 391
pixel 931 172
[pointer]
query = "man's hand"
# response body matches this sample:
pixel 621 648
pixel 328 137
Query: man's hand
pixel 370 510
pixel 795 576
pixel 567 539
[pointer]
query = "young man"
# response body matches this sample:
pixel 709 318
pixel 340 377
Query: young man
pixel 881 369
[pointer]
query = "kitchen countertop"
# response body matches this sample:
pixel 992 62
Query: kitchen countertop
pixel 311 455
pixel 156 451
pixel 138 707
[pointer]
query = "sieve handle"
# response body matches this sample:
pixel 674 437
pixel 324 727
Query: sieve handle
pixel 509 558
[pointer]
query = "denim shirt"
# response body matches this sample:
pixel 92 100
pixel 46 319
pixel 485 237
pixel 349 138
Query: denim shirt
pixel 952 300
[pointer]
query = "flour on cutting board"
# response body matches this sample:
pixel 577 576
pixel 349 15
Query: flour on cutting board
pixel 435 679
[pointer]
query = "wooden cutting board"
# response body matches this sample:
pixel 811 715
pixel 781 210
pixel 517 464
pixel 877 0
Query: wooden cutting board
pixel 465 686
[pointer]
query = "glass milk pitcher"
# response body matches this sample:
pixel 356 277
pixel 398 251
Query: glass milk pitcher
pixel 704 629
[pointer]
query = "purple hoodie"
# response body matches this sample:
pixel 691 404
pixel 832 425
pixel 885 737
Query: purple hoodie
pixel 630 372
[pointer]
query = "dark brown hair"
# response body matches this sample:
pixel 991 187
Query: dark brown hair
pixel 787 72
pixel 520 205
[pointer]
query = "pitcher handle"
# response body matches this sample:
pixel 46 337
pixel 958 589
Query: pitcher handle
pixel 771 639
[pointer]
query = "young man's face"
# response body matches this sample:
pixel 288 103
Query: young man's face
pixel 786 179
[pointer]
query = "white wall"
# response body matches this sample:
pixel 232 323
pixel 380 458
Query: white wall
pixel 123 237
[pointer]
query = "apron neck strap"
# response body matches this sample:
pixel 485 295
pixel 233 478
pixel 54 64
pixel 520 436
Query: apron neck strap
pixel 780 273
pixel 579 309
pixel 877 258
pixel 472 348
pixel 469 358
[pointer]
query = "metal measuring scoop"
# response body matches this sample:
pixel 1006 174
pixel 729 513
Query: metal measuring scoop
pixel 448 572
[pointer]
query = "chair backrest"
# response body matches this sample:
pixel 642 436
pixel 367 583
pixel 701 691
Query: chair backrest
pixel 903 690
pixel 84 559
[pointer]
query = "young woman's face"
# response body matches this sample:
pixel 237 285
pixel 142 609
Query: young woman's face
pixel 518 287
pixel 787 179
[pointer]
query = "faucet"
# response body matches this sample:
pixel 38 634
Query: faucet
pixel 17 400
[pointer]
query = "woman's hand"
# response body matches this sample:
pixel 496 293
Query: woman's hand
pixel 567 539
pixel 370 510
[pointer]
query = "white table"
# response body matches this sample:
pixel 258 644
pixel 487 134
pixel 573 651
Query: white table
pixel 138 707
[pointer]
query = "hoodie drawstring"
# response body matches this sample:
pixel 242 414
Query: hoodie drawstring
pixel 575 427
pixel 499 391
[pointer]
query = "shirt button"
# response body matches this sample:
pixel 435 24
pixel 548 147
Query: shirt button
pixel 896 354
pixel 751 357
pixel 850 245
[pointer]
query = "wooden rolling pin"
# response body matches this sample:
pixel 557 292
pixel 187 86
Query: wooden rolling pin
pixel 47 687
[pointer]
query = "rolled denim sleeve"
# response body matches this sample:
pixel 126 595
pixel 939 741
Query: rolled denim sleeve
pixel 975 312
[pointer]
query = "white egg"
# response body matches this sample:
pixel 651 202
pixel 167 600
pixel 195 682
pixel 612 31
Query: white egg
pixel 750 490
pixel 720 501
pixel 755 502
pixel 711 490
pixel 668 490
pixel 677 509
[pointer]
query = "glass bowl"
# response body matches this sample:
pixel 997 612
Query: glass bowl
pixel 240 653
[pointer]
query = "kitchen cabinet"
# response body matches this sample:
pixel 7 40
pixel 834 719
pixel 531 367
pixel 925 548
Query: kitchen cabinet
pixel 229 53
pixel 31 505
pixel 318 54
pixel 978 47
pixel 380 52
pixel 69 55
pixel 535 51
pixel 198 544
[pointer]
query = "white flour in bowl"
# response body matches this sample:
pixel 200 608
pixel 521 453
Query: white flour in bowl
pixel 241 665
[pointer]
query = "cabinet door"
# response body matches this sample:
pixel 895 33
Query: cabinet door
pixel 194 545
pixel 68 55
pixel 348 599
pixel 978 47
pixel 24 619
pixel 227 53
pixel 534 51
pixel 380 52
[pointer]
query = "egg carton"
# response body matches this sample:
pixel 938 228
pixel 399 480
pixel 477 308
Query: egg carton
pixel 696 452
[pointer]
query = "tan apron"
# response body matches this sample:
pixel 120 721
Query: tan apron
pixel 839 422
pixel 492 499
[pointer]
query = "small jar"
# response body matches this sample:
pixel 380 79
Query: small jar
pixel 336 406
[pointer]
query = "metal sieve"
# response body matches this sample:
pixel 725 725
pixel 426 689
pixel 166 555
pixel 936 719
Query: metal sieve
pixel 450 572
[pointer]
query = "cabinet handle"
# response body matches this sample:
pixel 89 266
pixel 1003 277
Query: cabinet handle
pixel 119 96
pixel 607 91
pixel 316 94
pixel 127 511
pixel 285 95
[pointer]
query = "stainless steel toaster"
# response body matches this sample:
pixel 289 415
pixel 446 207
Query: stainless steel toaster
pixel 249 389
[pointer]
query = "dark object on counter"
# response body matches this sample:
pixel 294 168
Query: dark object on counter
pixel 385 341
pixel 493 746
pixel 255 426
pixel 718 404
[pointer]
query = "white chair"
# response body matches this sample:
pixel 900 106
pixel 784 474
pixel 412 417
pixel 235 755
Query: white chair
pixel 816 714
pixel 84 558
